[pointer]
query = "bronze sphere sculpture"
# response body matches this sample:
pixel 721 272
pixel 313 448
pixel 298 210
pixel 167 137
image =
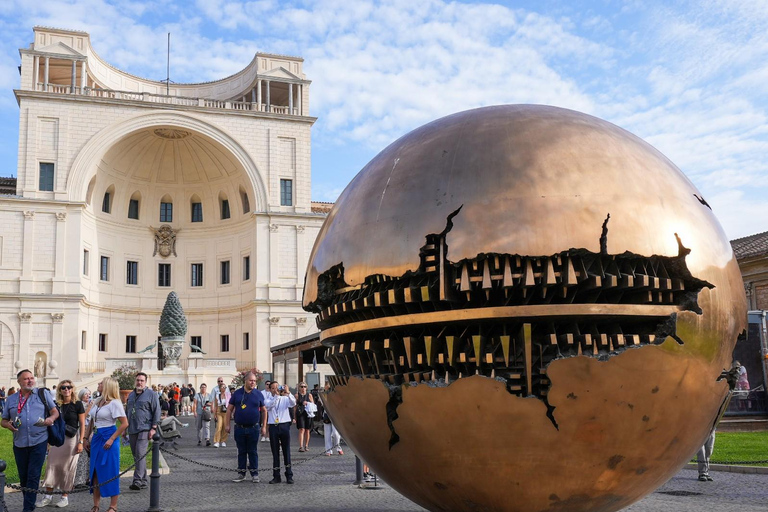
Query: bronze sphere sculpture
pixel 527 308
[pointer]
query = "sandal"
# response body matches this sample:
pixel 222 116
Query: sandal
pixel 95 509
pixel 113 509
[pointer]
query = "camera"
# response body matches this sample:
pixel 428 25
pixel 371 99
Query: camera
pixel 281 388
pixel 16 423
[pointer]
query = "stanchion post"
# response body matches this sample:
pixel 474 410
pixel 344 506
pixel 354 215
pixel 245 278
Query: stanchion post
pixel 3 465
pixel 154 477
pixel 358 471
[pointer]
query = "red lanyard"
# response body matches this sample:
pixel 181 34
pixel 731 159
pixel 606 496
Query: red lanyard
pixel 22 404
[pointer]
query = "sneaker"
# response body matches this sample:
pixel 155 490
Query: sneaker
pixel 703 478
pixel 43 503
pixel 223 445
pixel 199 443
pixel 275 481
pixel 215 445
pixel 240 478
pixel 709 478
pixel 341 452
pixel 134 487
pixel 63 502
pixel 255 479
pixel 207 442
pixel 289 480
pixel 263 439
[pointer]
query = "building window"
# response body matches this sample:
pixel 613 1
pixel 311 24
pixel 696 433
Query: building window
pixel 286 192
pixel 133 209
pixel 106 203
pixel 86 261
pixel 46 177
pixel 197 341
pixel 246 203
pixel 246 341
pixel 224 209
pixel 166 212
pixel 130 344
pixel 197 212
pixel 102 342
pixel 197 274
pixel 132 273
pixel 104 269
pixel 83 340
pixel 225 342
pixel 246 268
pixel 164 274
pixel 225 272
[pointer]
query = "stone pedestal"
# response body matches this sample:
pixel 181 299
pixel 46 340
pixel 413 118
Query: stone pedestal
pixel 172 346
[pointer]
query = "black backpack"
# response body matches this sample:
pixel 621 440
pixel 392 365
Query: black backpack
pixel 57 431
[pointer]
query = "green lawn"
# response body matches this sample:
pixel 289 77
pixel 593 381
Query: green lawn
pixel 740 446
pixel 12 475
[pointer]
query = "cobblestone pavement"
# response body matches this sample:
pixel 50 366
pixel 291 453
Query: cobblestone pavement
pixel 325 484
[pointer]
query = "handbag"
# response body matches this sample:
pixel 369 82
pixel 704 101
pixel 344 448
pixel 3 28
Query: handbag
pixel 56 432
pixel 70 431
pixel 223 408
pixel 206 415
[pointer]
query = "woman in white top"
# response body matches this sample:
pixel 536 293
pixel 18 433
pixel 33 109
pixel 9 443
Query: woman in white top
pixel 105 452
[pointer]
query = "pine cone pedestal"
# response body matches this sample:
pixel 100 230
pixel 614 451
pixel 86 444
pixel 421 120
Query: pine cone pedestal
pixel 172 346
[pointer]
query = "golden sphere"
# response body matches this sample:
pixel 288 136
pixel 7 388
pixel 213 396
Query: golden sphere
pixel 527 308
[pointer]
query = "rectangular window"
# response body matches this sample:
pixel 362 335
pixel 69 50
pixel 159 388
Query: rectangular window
pixel 83 340
pixel 46 177
pixel 197 341
pixel 246 341
pixel 286 192
pixel 225 272
pixel 164 274
pixel 197 275
pixel 224 209
pixel 225 342
pixel 197 212
pixel 246 268
pixel 133 209
pixel 104 269
pixel 246 203
pixel 130 344
pixel 106 203
pixel 86 261
pixel 132 273
pixel 102 342
pixel 166 212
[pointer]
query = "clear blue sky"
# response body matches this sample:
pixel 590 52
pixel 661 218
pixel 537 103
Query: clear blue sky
pixel 689 77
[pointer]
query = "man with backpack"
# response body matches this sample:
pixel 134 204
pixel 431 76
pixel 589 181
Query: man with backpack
pixel 29 417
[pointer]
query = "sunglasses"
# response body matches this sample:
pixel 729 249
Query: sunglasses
pixel 65 387
pixel 304 387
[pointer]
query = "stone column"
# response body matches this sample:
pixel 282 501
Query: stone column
pixel 253 95
pixel 301 259
pixel 299 94
pixel 258 93
pixel 290 99
pixel 25 281
pixel 45 80
pixel 36 73
pixel 59 275
pixel 57 344
pixel 74 77
pixel 269 106
pixel 274 257
pixel 25 334
pixel 83 78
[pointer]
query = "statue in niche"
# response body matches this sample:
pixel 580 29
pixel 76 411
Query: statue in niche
pixel 165 240
pixel 39 368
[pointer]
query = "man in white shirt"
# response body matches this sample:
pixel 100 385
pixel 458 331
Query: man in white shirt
pixel 279 401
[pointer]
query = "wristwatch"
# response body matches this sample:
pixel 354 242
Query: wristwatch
pixel 80 442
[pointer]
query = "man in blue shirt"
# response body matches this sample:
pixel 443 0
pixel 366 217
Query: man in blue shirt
pixel 29 418
pixel 247 404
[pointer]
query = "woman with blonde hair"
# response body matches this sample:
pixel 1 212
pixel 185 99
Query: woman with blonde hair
pixel 105 443
pixel 62 460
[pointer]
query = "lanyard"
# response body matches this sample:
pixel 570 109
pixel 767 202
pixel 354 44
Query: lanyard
pixel 22 403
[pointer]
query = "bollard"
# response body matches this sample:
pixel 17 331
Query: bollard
pixel 154 477
pixel 358 471
pixel 3 465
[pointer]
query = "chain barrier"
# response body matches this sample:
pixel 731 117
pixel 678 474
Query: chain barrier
pixel 237 470
pixel 83 489
pixel 737 462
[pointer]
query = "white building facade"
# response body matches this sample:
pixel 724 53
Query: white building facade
pixel 106 160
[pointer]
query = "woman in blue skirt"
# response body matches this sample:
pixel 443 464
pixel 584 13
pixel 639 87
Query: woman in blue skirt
pixel 105 443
